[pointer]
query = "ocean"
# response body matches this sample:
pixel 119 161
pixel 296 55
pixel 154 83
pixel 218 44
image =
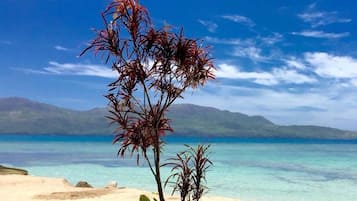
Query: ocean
pixel 248 169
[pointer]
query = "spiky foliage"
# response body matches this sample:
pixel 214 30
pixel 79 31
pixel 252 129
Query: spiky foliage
pixel 189 172
pixel 154 67
pixel 181 174
pixel 201 164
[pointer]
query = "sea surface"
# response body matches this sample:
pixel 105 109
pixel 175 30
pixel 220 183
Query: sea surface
pixel 248 169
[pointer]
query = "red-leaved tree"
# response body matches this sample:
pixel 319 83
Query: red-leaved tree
pixel 154 67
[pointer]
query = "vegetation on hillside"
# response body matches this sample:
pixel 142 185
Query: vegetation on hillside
pixel 18 115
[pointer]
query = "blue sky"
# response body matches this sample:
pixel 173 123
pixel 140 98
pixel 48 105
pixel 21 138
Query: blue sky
pixel 294 62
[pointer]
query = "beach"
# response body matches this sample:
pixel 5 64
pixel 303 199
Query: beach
pixel 32 188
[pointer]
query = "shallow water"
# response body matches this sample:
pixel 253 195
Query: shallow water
pixel 249 169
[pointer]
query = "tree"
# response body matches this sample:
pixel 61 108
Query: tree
pixel 154 68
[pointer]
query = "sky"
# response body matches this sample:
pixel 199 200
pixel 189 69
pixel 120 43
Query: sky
pixel 294 62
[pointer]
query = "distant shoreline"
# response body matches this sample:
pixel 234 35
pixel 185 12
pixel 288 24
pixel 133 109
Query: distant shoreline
pixel 173 138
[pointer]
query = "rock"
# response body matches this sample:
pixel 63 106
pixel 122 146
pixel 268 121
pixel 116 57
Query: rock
pixel 83 184
pixel 7 170
pixel 112 184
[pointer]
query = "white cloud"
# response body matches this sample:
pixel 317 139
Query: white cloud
pixel 331 66
pixel 271 40
pixel 321 34
pixel 250 52
pixel 248 48
pixel 225 41
pixel 295 63
pixel 75 69
pixel 61 48
pixel 276 76
pixel 292 76
pixel 233 72
pixel 317 18
pixel 211 26
pixel 239 19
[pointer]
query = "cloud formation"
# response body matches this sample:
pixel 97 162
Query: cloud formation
pixel 332 66
pixel 321 34
pixel 75 69
pixel 211 26
pixel 271 40
pixel 61 48
pixel 239 19
pixel 321 18
pixel 251 52
pixel 295 63
pixel 276 76
pixel 226 41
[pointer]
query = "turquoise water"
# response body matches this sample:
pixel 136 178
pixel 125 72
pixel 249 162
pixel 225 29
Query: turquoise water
pixel 248 169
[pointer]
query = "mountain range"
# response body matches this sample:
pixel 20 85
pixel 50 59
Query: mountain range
pixel 23 116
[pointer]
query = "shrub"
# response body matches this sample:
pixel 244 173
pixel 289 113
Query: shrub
pixel 189 172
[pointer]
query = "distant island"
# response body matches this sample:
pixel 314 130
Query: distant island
pixel 23 116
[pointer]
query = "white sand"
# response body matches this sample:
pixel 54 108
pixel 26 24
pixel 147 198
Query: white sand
pixel 30 188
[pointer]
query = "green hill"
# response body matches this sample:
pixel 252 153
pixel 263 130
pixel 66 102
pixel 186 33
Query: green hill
pixel 19 115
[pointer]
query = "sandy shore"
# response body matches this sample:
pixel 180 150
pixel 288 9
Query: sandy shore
pixel 30 188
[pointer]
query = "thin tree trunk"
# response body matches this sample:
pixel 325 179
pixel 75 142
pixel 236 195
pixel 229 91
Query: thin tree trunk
pixel 158 176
